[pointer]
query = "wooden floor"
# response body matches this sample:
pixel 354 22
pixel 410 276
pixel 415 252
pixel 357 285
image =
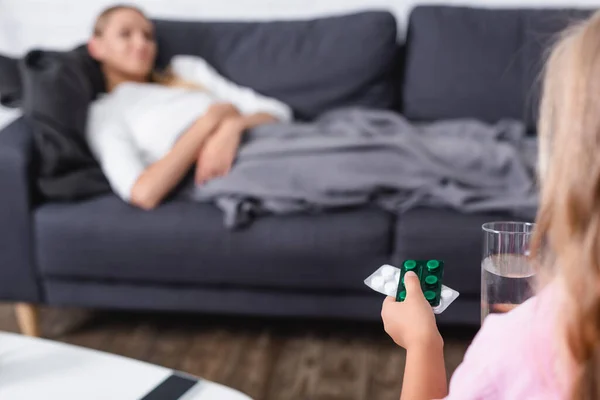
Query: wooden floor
pixel 265 358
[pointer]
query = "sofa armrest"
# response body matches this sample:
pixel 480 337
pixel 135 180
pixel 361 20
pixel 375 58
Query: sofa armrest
pixel 18 280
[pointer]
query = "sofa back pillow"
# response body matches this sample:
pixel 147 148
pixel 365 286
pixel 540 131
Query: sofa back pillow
pixel 58 87
pixel 312 65
pixel 479 63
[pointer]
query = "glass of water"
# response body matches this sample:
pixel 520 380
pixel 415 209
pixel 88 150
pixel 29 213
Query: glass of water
pixel 506 273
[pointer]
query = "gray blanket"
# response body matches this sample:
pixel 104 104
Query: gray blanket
pixel 353 157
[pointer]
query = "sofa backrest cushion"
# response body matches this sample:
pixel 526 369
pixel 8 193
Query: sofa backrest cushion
pixel 312 65
pixel 481 63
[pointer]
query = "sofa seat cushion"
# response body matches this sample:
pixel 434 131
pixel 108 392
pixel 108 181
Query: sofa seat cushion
pixel 448 235
pixel 187 243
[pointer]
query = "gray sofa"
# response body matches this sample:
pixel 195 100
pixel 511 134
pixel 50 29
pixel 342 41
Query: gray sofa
pixel 101 253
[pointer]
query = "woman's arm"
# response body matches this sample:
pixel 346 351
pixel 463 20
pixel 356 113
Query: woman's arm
pixel 218 154
pixel 159 179
pixel 252 120
pixel 120 160
pixel 248 101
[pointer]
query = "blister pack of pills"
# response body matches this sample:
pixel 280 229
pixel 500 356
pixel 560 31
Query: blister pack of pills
pixel 389 280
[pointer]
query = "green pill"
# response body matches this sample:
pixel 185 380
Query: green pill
pixel 432 265
pixel 431 280
pixel 410 264
pixel 429 295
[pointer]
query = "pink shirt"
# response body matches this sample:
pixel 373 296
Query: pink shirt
pixel 514 355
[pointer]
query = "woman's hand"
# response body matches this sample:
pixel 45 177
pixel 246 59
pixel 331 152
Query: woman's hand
pixel 224 110
pixel 218 153
pixel 411 323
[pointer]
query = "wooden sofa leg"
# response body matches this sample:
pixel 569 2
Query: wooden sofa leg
pixel 28 319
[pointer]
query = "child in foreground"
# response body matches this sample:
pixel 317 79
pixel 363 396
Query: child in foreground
pixel 548 347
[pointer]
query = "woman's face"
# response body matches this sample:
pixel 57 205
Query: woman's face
pixel 126 44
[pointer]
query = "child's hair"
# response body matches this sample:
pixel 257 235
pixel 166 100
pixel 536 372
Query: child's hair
pixel 165 77
pixel 567 236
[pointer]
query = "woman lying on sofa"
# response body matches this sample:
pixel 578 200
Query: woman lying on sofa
pixel 151 128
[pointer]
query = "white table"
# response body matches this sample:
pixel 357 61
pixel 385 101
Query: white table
pixel 32 369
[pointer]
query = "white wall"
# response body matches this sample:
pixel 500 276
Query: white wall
pixel 62 24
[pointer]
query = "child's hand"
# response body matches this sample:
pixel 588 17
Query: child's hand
pixel 410 323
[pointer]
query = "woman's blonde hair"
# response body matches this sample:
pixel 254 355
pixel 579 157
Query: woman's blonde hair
pixel 567 232
pixel 165 77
